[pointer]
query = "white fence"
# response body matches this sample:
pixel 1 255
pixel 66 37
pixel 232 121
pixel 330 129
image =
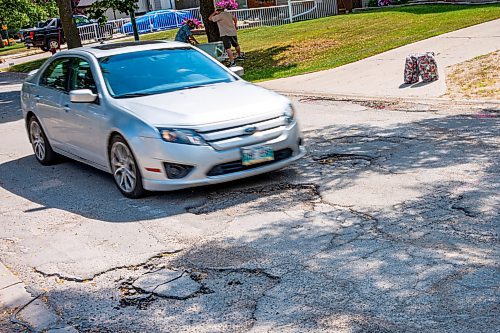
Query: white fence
pixel 278 15
pixel 96 32
pixel 247 18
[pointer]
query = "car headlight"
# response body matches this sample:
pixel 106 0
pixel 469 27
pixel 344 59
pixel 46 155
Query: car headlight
pixel 289 113
pixel 183 136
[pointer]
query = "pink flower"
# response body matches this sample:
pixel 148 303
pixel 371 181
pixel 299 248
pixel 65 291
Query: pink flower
pixel 196 22
pixel 227 4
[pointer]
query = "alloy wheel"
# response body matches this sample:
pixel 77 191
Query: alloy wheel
pixel 124 167
pixel 53 44
pixel 37 140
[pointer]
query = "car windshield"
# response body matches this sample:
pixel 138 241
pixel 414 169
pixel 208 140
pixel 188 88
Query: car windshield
pixel 158 71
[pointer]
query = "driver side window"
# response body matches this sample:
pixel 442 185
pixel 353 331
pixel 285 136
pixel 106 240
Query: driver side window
pixel 55 75
pixel 81 76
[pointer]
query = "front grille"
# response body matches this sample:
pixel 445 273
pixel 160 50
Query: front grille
pixel 235 166
pixel 245 134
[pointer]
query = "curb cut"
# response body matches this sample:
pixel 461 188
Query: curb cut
pixel 29 311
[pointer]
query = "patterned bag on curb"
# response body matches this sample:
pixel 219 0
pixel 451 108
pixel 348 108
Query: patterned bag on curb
pixel 411 69
pixel 427 67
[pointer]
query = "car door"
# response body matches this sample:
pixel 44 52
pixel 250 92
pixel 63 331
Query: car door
pixel 49 94
pixel 88 121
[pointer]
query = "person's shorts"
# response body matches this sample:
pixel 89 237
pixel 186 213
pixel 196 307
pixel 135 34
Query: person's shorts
pixel 229 40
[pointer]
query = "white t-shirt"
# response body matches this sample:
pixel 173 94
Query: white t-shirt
pixel 225 22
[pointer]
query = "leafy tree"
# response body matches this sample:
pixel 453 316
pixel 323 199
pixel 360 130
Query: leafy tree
pixel 206 8
pixel 98 11
pixel 17 14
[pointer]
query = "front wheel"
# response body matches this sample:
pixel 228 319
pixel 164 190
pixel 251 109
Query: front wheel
pixel 125 169
pixel 41 146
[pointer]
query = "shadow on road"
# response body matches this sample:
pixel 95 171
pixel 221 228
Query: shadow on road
pixel 83 190
pixel 425 264
pixel 338 156
pixel 10 106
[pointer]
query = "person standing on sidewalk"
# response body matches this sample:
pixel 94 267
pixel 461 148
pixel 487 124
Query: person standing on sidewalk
pixel 227 24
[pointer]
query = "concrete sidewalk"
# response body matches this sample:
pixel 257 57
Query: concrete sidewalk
pixel 11 61
pixel 382 74
pixel 28 312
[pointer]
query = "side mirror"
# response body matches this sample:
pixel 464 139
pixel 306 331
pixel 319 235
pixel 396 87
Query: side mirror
pixel 82 96
pixel 238 70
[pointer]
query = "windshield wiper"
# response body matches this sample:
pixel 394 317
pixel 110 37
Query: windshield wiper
pixel 131 95
pixel 192 87
pixel 201 85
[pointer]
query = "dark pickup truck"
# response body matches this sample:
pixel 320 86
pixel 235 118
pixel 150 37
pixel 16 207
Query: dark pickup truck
pixel 51 34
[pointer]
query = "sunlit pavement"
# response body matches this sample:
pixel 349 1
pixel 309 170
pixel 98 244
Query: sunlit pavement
pixel 390 224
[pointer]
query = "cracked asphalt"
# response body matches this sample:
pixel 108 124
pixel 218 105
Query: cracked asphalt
pixel 389 224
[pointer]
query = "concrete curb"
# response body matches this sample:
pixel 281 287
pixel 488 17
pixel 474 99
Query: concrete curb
pixel 343 97
pixel 29 311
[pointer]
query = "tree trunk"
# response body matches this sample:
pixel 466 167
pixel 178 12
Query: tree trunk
pixel 206 8
pixel 70 31
pixel 134 25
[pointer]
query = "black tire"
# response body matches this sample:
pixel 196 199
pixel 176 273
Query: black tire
pixel 53 44
pixel 41 145
pixel 126 172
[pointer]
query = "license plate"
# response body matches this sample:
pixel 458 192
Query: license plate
pixel 256 155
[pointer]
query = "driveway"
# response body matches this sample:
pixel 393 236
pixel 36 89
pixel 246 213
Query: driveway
pixel 382 75
pixel 389 224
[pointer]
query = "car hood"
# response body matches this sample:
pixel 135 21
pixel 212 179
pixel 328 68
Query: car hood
pixel 230 103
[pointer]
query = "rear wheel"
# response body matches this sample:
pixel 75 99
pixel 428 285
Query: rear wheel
pixel 125 169
pixel 41 146
pixel 53 44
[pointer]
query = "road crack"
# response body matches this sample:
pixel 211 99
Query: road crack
pixel 81 280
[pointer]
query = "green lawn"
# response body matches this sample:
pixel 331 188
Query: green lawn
pixel 13 49
pixel 26 67
pixel 308 46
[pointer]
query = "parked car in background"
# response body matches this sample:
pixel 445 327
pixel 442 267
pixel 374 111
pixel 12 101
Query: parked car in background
pixel 158 116
pixel 158 20
pixel 51 35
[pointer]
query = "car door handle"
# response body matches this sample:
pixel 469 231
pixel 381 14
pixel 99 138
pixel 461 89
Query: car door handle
pixel 37 98
pixel 66 108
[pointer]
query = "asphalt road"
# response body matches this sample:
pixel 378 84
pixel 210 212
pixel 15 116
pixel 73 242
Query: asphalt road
pixel 390 224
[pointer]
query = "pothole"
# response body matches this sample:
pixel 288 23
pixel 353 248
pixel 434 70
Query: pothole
pixel 163 283
pixel 184 285
pixel 272 197
pixel 352 159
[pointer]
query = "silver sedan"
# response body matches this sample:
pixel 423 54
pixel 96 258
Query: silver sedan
pixel 157 115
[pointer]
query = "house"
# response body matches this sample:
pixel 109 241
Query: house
pixel 149 5
pixel 144 6
pixel 242 4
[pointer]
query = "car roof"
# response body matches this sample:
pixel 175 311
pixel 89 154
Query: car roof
pixel 109 49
